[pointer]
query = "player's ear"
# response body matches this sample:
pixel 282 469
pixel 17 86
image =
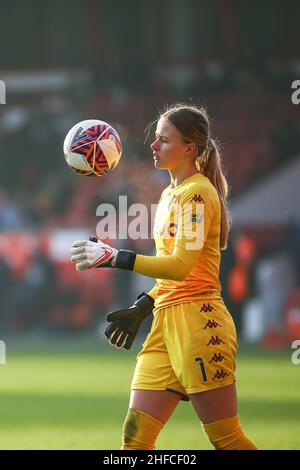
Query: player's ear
pixel 191 149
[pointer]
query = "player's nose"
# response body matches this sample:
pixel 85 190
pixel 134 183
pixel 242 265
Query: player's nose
pixel 154 145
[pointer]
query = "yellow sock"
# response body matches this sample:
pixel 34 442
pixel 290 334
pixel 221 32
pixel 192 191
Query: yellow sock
pixel 227 434
pixel 140 431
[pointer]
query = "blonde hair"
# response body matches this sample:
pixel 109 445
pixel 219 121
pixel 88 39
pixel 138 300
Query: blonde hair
pixel 194 125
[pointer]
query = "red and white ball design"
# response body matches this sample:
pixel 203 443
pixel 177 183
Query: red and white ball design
pixel 92 148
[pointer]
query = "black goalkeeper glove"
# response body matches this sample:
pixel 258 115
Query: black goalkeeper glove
pixel 125 323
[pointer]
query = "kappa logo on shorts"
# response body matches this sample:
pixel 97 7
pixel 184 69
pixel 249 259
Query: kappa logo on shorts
pixel 212 324
pixel 215 340
pixel 207 308
pixel 217 357
pixel 220 374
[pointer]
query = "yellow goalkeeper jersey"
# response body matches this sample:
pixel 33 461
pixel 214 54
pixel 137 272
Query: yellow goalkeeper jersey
pixel 187 239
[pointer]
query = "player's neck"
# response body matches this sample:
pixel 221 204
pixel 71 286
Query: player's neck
pixel 180 175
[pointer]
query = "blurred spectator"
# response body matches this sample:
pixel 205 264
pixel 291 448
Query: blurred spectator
pixel 275 280
pixel 285 140
pixel 10 218
pixel 32 296
pixel 293 246
pixel 240 279
pixel 5 288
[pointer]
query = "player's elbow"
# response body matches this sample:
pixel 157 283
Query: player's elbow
pixel 180 272
pixel 175 275
pixel 180 276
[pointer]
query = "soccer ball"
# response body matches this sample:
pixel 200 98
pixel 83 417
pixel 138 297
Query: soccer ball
pixel 92 148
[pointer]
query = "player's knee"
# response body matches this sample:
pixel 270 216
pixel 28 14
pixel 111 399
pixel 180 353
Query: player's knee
pixel 140 430
pixel 227 434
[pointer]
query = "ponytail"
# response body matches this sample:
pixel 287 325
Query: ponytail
pixel 209 163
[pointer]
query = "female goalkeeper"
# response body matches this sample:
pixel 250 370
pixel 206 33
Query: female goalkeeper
pixel 190 351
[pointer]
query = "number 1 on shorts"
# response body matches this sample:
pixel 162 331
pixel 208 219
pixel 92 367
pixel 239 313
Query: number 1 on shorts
pixel 202 367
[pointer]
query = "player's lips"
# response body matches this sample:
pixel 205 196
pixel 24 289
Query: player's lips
pixel 155 156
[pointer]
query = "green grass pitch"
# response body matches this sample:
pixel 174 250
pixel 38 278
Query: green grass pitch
pixel 74 395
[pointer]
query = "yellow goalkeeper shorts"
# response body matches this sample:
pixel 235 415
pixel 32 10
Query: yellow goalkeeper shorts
pixel 191 348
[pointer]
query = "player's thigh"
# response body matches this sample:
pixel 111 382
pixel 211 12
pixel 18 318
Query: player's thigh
pixel 157 403
pixel 214 405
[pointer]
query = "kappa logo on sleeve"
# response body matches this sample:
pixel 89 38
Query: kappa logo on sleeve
pixel 197 198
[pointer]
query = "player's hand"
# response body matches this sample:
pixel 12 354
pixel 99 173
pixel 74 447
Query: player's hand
pixel 92 253
pixel 125 323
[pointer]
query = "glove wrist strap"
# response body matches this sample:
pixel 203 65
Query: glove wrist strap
pixel 145 304
pixel 125 260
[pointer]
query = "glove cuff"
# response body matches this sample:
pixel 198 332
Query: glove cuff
pixel 145 304
pixel 125 260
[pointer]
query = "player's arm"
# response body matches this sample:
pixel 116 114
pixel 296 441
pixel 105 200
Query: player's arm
pixel 153 292
pixel 86 255
pixel 192 229
pixel 193 226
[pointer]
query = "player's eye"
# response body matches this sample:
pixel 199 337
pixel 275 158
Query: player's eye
pixel 161 139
